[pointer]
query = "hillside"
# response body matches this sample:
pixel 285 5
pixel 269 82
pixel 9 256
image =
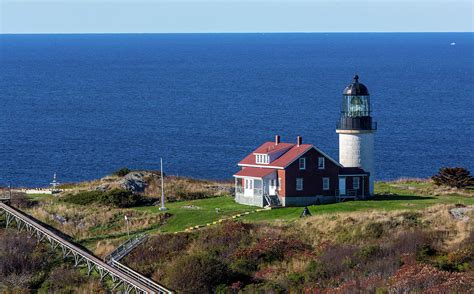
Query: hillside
pixel 206 242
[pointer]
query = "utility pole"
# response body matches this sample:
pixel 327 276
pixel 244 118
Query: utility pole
pixel 162 208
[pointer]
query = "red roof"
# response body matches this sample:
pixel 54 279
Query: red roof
pixel 270 147
pixel 288 157
pixel 254 172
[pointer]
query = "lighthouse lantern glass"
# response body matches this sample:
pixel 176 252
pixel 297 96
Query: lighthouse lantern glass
pixel 356 106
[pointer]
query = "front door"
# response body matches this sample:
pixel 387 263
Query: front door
pixel 248 191
pixel 342 185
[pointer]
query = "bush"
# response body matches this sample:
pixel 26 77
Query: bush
pixel 122 172
pixel 198 274
pixel 84 198
pixel 374 230
pixel 453 177
pixel 116 198
pixel 191 195
pixel 120 198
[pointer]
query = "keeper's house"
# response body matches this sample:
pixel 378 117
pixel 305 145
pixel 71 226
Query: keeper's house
pixel 286 174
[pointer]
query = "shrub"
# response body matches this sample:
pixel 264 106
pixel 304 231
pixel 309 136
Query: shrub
pixel 20 200
pixel 191 195
pixel 374 230
pixel 122 172
pixel 117 198
pixel 84 198
pixel 368 251
pixel 453 177
pixel 200 273
pixel 120 198
pixel 158 249
pixel 63 279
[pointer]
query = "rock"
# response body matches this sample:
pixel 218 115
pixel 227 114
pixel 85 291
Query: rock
pixel 102 187
pixel 62 220
pixel 134 181
pixel 459 213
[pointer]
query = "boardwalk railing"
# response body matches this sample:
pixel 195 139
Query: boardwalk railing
pixel 144 280
pixel 129 280
pixel 125 248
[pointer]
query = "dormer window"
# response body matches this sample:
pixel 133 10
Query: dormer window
pixel 262 158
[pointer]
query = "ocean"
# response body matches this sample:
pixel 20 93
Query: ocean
pixel 83 106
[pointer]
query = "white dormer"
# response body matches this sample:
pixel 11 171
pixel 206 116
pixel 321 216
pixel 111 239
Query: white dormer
pixel 262 158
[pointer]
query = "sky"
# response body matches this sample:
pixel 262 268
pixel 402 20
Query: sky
pixel 200 16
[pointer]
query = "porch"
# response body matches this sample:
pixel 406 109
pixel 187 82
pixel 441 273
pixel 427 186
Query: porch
pixel 257 186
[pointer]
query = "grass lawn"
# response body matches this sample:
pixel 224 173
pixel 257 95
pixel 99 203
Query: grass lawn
pixel 401 202
pixel 185 214
pixel 403 197
pixel 197 212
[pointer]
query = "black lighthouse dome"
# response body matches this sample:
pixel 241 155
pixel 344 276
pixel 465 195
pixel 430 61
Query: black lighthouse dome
pixel 356 112
pixel 356 88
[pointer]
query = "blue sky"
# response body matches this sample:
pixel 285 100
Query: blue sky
pixel 165 16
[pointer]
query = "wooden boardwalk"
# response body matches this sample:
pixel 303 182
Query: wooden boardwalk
pixel 122 277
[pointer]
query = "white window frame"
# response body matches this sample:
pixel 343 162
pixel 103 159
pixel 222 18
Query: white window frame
pixel 279 184
pixel 302 163
pixel 326 183
pixel 321 162
pixel 354 186
pixel 262 158
pixel 299 184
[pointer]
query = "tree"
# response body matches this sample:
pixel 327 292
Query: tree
pixel 453 177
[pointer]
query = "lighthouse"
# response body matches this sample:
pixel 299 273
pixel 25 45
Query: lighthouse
pixel 356 130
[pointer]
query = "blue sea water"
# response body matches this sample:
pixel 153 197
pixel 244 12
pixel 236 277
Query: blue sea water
pixel 86 105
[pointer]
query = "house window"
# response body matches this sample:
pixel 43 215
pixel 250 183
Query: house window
pixel 262 158
pixel 248 184
pixel 299 184
pixel 356 183
pixel 279 184
pixel 302 163
pixel 321 162
pixel 326 184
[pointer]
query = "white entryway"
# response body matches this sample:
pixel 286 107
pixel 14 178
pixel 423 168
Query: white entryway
pixel 342 185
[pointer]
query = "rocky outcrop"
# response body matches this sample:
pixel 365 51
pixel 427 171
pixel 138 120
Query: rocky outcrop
pixel 134 181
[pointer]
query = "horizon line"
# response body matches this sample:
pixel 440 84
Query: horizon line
pixel 231 32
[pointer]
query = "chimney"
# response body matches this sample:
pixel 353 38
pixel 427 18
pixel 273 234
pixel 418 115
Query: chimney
pixel 277 139
pixel 299 140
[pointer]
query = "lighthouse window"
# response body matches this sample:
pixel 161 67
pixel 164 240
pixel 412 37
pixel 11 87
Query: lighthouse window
pixel 299 184
pixel 357 106
pixel 356 183
pixel 302 163
pixel 321 163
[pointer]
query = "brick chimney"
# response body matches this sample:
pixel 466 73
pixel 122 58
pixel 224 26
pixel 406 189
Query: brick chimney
pixel 277 139
pixel 299 140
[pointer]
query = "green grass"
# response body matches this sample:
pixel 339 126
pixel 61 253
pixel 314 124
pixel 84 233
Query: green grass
pixel 183 218
pixel 404 197
pixel 401 202
pixel 393 196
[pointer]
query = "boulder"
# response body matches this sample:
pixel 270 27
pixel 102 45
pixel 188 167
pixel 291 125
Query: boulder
pixel 134 181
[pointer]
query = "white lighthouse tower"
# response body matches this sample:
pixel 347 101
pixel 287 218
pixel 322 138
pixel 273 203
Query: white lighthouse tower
pixel 356 130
